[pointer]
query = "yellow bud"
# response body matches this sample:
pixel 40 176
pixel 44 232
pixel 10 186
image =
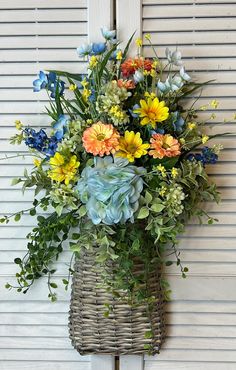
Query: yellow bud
pixel 174 172
pixel 213 116
pixel 72 87
pixel 191 125
pixel 204 107
pixel 139 42
pixel 162 191
pixel 205 138
pixel 119 55
pixel 182 140
pixel 93 61
pixel 147 36
pixel 214 103
pixel 153 73
pixel 84 83
pixel 37 162
pixel 18 125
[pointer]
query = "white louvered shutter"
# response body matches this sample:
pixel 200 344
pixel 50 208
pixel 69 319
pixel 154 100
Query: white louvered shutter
pixel 201 319
pixel 36 35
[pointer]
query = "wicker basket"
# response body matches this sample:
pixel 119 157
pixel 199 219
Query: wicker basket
pixel 123 332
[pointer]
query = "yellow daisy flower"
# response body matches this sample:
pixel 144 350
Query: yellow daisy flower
pixel 63 170
pixel 131 146
pixel 152 111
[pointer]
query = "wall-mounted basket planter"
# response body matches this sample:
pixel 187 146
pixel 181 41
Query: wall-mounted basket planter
pixel 124 331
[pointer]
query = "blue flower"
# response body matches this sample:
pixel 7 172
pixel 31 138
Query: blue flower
pixel 60 126
pixel 98 48
pixel 49 81
pixel 92 97
pixel 177 121
pixel 107 34
pixel 207 156
pixel 84 50
pixel 35 140
pixel 134 115
pixel 51 148
pixel 158 130
pixel 55 84
pixel 41 82
pixel 40 141
pixel 111 190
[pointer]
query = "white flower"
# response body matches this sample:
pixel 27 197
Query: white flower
pixel 174 57
pixel 184 75
pixel 138 76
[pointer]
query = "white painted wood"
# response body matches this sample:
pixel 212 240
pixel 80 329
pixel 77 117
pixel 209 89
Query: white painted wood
pixel 100 14
pixel 131 362
pixel 104 362
pixel 129 20
pixel 37 35
pixel 200 329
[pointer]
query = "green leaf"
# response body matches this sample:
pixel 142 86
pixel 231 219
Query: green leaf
pixel 75 236
pixel 136 244
pixel 148 197
pixel 157 207
pixel 17 261
pixel 143 213
pixel 75 248
pixel 148 334
pixel 32 212
pixel 53 285
pixel 15 181
pixel 82 211
pixel 169 263
pixel 166 162
pixel 17 217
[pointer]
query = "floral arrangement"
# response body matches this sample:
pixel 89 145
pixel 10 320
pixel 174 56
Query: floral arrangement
pixel 122 168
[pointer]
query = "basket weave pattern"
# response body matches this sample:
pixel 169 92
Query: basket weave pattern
pixel 123 332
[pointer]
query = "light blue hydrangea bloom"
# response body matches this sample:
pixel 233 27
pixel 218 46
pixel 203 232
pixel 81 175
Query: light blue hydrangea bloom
pixel 111 190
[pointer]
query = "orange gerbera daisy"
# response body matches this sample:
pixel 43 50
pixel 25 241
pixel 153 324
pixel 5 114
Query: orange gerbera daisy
pixel 128 84
pixel 131 65
pixel 164 146
pixel 100 139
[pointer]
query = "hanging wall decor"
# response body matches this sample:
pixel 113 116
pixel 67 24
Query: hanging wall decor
pixel 117 177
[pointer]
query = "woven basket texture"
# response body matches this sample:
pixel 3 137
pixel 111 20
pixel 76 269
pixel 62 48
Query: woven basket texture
pixel 123 332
